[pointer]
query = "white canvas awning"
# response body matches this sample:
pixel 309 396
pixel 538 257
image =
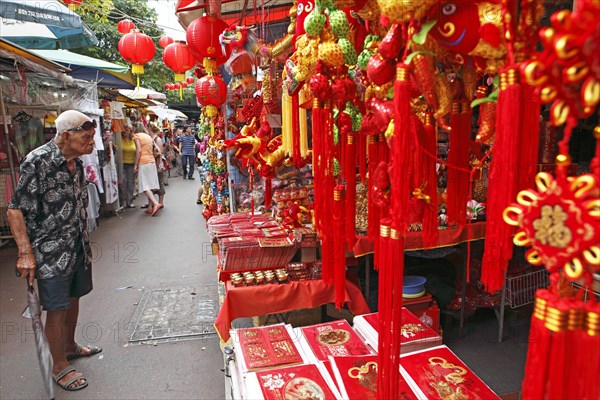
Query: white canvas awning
pixel 167 113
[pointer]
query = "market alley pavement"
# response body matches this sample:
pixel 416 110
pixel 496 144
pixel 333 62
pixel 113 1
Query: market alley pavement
pixel 154 297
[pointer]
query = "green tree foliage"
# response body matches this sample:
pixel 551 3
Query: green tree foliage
pixel 156 74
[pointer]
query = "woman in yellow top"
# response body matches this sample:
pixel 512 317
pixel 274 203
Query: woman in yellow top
pixel 129 150
pixel 146 167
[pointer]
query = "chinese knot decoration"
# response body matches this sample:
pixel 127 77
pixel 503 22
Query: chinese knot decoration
pixel 568 70
pixel 560 223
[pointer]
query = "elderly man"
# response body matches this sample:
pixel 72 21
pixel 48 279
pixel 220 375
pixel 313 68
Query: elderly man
pixel 48 219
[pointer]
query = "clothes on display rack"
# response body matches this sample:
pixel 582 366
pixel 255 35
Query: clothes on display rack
pixel 93 209
pixel 29 132
pixel 91 166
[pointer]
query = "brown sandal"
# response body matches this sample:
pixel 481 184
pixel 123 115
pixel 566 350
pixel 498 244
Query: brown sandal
pixel 67 385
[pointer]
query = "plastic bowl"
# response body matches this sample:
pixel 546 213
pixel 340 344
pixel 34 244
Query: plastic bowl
pixel 413 284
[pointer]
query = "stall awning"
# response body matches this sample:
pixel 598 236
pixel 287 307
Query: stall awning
pixel 167 113
pixel 20 52
pixel 143 93
pixel 106 74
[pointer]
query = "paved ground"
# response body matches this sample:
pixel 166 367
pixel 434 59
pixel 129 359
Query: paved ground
pixel 168 264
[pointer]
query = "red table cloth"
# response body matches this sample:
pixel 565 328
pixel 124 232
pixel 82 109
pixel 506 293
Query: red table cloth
pixel 447 237
pixel 251 301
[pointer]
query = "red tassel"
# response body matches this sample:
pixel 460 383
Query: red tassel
pixel 400 153
pixel 362 157
pixel 318 122
pixel 590 343
pixel 529 138
pixel 458 160
pixel 557 317
pixel 268 192
pixel 574 338
pixel 374 210
pixel 430 217
pixel 296 157
pixel 350 174
pixel 401 168
pixel 372 147
pixel 384 308
pixel 397 256
pixel 339 245
pixel 536 365
pixel 502 182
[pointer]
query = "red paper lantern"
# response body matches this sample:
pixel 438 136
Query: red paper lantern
pixel 137 48
pixel 203 39
pixel 178 57
pixel 190 80
pixel 72 2
pixel 164 41
pixel 176 86
pixel 125 26
pixel 183 85
pixel 211 92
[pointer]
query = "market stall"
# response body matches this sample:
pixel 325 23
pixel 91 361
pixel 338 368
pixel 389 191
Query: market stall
pixel 447 130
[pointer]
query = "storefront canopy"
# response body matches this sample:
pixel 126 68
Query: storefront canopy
pixel 143 93
pixel 32 62
pixel 106 74
pixel 167 113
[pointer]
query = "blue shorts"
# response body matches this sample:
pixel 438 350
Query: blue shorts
pixel 55 292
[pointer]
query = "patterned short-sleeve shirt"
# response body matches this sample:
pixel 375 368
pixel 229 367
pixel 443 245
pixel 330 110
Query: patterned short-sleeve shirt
pixel 54 204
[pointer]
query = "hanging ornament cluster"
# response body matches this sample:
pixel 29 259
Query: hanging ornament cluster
pixel 559 220
pixel 137 48
pixel 215 189
pixel 568 71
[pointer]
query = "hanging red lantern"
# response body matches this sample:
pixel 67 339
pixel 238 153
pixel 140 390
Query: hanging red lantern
pixel 164 41
pixel 137 48
pixel 183 85
pixel 178 57
pixel 72 2
pixel 211 92
pixel 190 80
pixel 203 39
pixel 125 26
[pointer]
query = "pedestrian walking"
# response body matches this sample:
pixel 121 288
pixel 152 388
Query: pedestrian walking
pixel 129 151
pixel 186 148
pixel 145 166
pixel 154 132
pixel 48 219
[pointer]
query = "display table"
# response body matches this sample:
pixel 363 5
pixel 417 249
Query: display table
pixel 447 237
pixel 251 301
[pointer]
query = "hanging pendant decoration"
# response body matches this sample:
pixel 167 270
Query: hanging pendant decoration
pixel 559 221
pixel 137 48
